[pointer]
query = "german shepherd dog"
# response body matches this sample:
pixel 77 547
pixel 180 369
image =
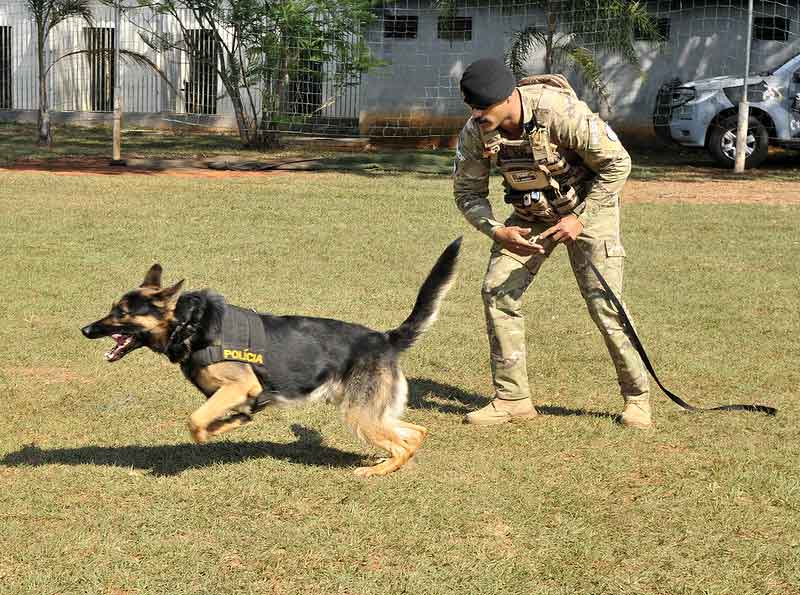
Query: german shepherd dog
pixel 305 359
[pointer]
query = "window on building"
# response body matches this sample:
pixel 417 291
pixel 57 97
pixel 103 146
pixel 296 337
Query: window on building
pixel 5 67
pixel 100 43
pixel 201 87
pixel 455 28
pixel 661 27
pixel 400 26
pixel 771 28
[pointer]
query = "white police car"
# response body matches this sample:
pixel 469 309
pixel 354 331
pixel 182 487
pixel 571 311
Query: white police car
pixel 703 113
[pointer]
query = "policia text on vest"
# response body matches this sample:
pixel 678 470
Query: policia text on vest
pixel 243 356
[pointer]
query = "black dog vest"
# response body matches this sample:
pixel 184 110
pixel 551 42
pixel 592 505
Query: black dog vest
pixel 242 340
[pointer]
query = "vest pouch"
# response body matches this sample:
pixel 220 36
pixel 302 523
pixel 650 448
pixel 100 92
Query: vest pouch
pixel 563 200
pixel 521 174
pixel 541 148
pixel 492 141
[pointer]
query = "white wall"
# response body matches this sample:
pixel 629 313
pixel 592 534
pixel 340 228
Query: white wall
pixel 423 73
pixel 417 91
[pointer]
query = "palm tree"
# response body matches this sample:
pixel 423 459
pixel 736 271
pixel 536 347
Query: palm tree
pixel 606 26
pixel 47 14
pixel 266 48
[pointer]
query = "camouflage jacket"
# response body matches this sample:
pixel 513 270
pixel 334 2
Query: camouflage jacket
pixel 578 134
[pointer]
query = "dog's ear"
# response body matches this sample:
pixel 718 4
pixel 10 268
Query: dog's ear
pixel 153 277
pixel 170 294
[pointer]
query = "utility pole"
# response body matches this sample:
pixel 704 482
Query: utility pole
pixel 744 105
pixel 116 158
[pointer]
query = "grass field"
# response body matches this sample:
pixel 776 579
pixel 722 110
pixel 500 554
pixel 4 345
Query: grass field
pixel 101 490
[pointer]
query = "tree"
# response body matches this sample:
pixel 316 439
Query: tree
pixel 594 26
pixel 264 47
pixel 47 14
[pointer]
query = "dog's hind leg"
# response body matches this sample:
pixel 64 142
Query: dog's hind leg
pixel 412 433
pixel 372 404
pixel 385 438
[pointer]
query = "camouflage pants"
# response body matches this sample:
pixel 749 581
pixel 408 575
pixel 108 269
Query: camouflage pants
pixel 509 275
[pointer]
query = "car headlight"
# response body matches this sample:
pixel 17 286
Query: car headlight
pixel 681 96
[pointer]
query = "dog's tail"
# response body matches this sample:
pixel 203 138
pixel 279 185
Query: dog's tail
pixel 430 296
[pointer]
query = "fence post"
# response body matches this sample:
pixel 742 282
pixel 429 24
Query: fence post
pixel 744 106
pixel 116 137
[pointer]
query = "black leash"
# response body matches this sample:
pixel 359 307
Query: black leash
pixel 634 338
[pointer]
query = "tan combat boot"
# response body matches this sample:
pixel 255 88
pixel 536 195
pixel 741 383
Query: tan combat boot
pixel 637 413
pixel 501 411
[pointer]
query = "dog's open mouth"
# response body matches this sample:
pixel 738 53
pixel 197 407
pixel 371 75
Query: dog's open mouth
pixel 125 343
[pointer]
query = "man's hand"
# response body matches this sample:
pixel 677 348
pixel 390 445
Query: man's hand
pixel 566 230
pixel 515 239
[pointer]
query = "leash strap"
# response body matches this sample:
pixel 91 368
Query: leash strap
pixel 634 338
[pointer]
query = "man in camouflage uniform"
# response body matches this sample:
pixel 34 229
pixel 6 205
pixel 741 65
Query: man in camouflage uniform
pixel 563 169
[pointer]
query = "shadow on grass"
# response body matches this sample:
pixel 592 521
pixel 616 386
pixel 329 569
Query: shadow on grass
pixel 682 164
pixel 566 411
pixel 74 144
pixel 172 459
pixel 459 402
pixel 652 159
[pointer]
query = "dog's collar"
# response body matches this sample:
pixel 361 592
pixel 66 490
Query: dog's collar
pixel 197 321
pixel 179 344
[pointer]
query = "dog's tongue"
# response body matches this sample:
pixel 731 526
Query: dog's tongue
pixel 116 352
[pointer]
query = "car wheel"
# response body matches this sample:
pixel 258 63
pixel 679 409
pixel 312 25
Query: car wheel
pixel 722 142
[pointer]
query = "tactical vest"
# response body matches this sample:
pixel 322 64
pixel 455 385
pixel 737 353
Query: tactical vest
pixel 542 183
pixel 242 340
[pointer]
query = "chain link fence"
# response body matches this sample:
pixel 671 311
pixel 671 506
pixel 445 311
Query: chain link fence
pixel 634 71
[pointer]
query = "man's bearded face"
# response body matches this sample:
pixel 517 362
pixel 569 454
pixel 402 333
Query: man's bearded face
pixel 489 118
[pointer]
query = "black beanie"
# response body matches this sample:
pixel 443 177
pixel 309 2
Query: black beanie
pixel 486 82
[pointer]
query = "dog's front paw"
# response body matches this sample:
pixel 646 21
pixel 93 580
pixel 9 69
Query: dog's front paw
pixel 385 467
pixel 363 472
pixel 199 435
